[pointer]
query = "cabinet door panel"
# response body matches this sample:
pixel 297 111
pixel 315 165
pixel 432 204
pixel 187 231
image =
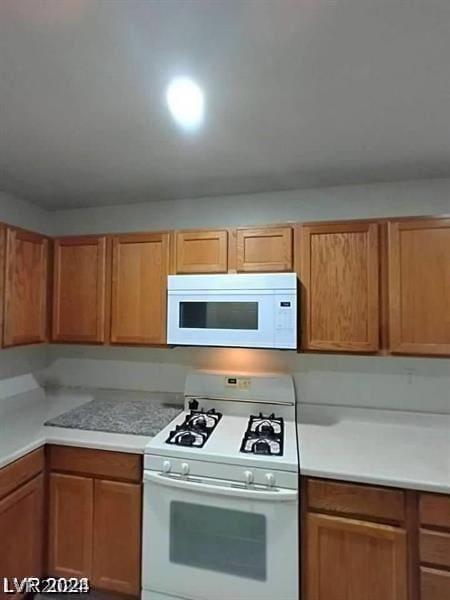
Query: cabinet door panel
pixel 352 559
pixel 21 524
pixel 79 289
pixel 201 251
pixel 70 525
pixel 339 270
pixel 117 537
pixel 25 288
pixel 264 250
pixel 434 584
pixel 139 286
pixel 419 286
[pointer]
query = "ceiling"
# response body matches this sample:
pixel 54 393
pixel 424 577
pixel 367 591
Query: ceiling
pixel 299 93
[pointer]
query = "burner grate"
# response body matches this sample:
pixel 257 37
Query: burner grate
pixel 264 435
pixel 196 429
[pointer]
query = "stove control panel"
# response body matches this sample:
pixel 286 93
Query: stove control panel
pixel 196 468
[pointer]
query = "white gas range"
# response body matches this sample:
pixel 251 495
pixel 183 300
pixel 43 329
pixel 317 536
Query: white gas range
pixel 221 493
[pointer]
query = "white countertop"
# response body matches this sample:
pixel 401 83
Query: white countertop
pixel 22 429
pixel 399 449
pixel 405 450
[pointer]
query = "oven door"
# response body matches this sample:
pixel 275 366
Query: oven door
pixel 207 539
pixel 209 318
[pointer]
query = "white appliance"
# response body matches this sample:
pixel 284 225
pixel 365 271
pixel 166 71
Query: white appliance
pixel 253 311
pixel 221 498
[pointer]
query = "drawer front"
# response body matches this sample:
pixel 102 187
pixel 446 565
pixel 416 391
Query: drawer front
pixel 434 509
pixel 356 500
pixel 20 471
pixel 434 584
pixel 435 548
pixel 96 463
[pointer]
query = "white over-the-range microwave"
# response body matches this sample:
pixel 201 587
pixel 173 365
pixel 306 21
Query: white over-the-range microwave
pixel 235 310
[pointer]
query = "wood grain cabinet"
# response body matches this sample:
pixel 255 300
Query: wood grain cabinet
pixel 71 509
pixel 95 517
pixel 21 519
pixel 79 289
pixel 339 272
pixel 117 536
pixel 267 249
pixel 25 288
pixel 355 542
pixel 434 546
pixel 355 559
pixel 201 251
pixel 419 286
pixel 139 285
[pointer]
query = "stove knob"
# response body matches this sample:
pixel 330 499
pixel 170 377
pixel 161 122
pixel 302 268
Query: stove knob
pixel 270 479
pixel 249 477
pixel 185 468
pixel 166 466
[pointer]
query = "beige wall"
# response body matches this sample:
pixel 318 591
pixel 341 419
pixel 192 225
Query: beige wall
pixel 346 202
pixel 23 214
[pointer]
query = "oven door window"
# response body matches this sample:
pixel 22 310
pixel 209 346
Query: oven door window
pixel 218 539
pixel 219 315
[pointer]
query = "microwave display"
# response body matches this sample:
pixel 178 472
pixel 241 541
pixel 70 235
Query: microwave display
pixel 219 315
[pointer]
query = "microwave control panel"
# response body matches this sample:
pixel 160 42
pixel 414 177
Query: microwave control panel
pixel 286 321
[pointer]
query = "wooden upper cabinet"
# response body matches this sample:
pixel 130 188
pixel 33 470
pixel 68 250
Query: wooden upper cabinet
pixel 339 271
pixel 264 250
pixel 201 251
pixel 419 286
pixel 139 286
pixel 25 310
pixel 350 559
pixel 79 289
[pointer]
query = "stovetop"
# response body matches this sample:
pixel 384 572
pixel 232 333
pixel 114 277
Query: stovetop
pixel 231 441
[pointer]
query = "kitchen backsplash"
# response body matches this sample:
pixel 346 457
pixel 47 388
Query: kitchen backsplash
pixel 416 384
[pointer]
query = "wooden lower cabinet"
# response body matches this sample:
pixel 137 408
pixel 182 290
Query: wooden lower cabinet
pixel 21 529
pixel 70 525
pixel 117 536
pixel 352 560
pixel 95 523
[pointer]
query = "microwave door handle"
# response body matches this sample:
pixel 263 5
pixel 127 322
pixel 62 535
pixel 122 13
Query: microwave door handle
pixel 247 493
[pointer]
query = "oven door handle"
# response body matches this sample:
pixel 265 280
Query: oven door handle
pixel 183 483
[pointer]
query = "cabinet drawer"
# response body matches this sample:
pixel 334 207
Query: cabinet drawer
pixel 97 463
pixel 435 548
pixel 434 584
pixel 20 471
pixel 356 500
pixel 434 509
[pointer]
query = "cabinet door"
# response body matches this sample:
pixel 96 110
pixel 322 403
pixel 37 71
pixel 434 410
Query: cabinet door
pixel 117 537
pixel 79 289
pixel 201 251
pixel 139 288
pixel 21 519
pixel 339 271
pixel 70 525
pixel 264 250
pixel 25 288
pixel 434 584
pixel 419 286
pixel 349 559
